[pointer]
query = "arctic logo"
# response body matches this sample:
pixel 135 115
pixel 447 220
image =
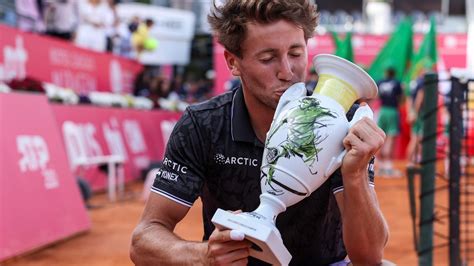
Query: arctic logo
pixel 175 166
pixel 221 159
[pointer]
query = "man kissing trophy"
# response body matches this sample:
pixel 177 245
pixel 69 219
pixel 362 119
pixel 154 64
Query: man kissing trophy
pixel 302 149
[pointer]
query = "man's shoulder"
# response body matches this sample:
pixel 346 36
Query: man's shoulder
pixel 216 104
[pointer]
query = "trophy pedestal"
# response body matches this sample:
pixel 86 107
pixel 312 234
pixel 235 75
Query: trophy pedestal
pixel 268 245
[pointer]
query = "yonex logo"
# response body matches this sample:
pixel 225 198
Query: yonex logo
pixel 167 175
pixel 223 160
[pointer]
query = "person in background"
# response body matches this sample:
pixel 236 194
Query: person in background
pixel 93 20
pixel 414 104
pixel 196 90
pixel 266 46
pixel 141 35
pixel 232 83
pixel 390 94
pixel 111 26
pixel 29 15
pixel 312 80
pixel 61 18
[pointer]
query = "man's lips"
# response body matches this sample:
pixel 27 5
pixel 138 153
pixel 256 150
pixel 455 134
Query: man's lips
pixel 280 92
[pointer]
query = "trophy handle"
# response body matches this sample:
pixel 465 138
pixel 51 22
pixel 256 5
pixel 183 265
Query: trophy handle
pixel 336 161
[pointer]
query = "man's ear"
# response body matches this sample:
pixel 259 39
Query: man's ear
pixel 232 63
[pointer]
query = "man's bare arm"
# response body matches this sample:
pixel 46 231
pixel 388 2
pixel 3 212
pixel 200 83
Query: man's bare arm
pixel 365 230
pixel 153 241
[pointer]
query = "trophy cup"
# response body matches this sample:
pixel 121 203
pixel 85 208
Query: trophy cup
pixel 302 149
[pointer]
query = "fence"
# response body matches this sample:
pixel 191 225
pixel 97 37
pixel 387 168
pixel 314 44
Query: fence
pixel 442 178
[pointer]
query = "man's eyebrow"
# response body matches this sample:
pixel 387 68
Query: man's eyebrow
pixel 264 51
pixel 296 45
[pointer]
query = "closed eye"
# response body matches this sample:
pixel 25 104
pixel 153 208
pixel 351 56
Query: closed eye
pixel 266 60
pixel 296 54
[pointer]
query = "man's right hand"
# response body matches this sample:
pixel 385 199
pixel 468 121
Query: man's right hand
pixel 227 247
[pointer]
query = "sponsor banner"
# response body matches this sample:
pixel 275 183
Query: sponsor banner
pixel 451 48
pixel 40 200
pixel 138 136
pixel 52 60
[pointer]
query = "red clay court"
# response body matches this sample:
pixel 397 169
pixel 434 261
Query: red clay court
pixel 107 243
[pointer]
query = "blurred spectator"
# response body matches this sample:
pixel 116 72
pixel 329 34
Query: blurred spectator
pixel 30 15
pixel 61 17
pixel 161 89
pixel 154 90
pixel 9 17
pixel 171 94
pixel 94 16
pixel 178 86
pixel 141 36
pixel 390 94
pixel 196 91
pixel 232 83
pixel 312 80
pixel 111 25
pixel 133 25
pixel 141 86
pixel 414 104
pixel 122 41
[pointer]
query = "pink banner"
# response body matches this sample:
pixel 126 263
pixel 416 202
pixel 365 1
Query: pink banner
pixel 59 62
pixel 451 48
pixel 138 136
pixel 39 198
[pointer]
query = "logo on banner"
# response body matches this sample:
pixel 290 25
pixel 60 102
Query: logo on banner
pixel 35 158
pixel 136 143
pixel 14 65
pixel 115 72
pixel 114 139
pixel 134 136
pixel 80 142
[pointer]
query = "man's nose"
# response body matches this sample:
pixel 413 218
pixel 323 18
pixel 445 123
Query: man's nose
pixel 285 71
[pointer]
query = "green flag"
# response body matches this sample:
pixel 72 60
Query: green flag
pixel 396 52
pixel 426 57
pixel 343 46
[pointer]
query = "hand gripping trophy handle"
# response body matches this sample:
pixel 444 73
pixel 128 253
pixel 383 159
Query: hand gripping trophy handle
pixel 302 149
pixel 336 162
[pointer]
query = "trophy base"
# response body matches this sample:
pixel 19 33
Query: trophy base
pixel 268 246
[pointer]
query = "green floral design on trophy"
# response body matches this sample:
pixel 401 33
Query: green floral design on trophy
pixel 302 139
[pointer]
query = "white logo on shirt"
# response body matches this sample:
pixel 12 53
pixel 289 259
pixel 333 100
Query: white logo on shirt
pixel 222 160
pixel 167 175
pixel 175 166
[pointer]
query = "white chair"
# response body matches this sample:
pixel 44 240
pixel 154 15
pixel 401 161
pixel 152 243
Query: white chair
pixel 115 172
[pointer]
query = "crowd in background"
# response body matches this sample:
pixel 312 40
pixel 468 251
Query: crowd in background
pixel 152 84
pixel 91 24
pixel 95 25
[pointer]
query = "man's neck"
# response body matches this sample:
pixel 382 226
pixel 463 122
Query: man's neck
pixel 261 117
